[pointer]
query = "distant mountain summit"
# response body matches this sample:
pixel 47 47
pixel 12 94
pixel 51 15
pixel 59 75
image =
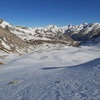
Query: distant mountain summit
pixel 19 38
pixel 85 33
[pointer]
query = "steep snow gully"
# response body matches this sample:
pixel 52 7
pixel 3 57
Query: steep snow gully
pixel 67 74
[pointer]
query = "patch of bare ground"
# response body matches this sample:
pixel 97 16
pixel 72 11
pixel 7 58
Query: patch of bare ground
pixel 1 63
pixel 37 42
pixel 12 82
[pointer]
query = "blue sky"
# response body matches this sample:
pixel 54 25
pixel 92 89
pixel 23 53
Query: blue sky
pixel 33 13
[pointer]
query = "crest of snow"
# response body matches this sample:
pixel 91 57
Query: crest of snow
pixel 4 24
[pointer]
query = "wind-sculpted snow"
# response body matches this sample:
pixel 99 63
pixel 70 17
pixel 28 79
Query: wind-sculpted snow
pixel 68 73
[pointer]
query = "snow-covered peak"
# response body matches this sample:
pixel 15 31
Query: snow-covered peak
pixel 51 26
pixel 4 24
pixel 85 23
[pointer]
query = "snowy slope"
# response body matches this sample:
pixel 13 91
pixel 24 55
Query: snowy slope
pixel 68 73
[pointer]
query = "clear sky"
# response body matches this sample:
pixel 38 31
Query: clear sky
pixel 33 13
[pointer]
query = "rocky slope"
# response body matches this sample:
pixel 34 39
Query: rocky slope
pixel 9 42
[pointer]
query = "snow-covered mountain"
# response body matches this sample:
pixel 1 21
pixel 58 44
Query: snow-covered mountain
pixel 85 32
pixel 51 34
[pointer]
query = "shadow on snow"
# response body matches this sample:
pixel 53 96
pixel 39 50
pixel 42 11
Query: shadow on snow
pixel 90 64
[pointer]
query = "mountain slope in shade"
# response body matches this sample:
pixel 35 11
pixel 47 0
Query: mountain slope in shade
pixel 85 32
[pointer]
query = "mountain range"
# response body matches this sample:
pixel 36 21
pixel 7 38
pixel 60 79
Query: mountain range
pixel 23 39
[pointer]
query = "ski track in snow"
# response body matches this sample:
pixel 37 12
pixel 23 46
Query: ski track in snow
pixel 67 74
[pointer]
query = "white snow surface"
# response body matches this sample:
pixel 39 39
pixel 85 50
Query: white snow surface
pixel 67 73
pixel 4 24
